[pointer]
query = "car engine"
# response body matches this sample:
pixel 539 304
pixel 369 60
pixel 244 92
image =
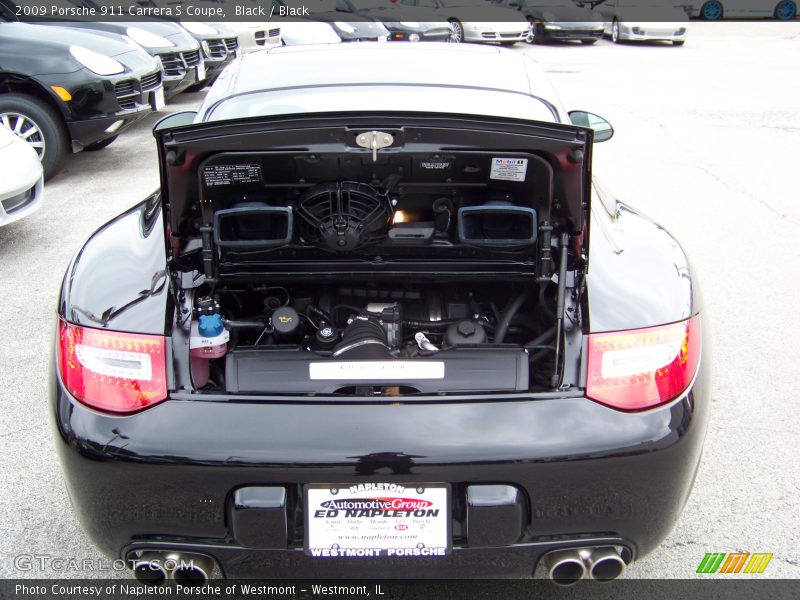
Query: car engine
pixel 420 274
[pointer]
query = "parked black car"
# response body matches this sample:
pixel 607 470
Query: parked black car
pixel 405 23
pixel 179 53
pixel 379 325
pixel 64 89
pixel 558 20
pixel 220 45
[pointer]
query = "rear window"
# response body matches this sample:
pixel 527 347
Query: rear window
pixel 382 97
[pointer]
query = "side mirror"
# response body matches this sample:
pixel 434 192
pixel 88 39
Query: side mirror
pixel 602 129
pixel 175 120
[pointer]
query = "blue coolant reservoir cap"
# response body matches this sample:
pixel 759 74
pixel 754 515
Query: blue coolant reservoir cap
pixel 210 325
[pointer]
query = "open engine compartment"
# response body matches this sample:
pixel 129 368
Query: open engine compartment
pixel 378 340
pixel 330 271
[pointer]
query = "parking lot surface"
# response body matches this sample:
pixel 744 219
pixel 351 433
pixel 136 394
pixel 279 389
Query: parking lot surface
pixel 706 144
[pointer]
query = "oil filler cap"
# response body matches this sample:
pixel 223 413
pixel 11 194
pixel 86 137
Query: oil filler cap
pixel 210 325
pixel 285 320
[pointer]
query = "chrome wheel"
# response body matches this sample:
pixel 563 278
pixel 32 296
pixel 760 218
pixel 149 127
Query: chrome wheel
pixel 26 129
pixel 457 36
pixel 531 37
pixel 615 32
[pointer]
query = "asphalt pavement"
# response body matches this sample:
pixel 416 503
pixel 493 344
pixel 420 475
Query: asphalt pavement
pixel 706 143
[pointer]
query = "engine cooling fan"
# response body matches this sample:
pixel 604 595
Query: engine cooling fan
pixel 343 216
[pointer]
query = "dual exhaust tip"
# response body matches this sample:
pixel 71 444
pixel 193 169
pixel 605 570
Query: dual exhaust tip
pixel 564 567
pixel 567 567
pixel 156 568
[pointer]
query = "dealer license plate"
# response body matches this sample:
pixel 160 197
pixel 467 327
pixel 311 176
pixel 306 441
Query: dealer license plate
pixel 201 71
pixel 157 99
pixel 377 519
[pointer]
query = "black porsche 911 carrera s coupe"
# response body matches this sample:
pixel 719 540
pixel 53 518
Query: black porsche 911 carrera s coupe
pixel 379 322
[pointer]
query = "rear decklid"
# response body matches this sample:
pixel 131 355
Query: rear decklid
pixel 561 153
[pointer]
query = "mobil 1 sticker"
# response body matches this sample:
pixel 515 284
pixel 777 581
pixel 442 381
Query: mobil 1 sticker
pixel 215 175
pixel 509 169
pixel 377 519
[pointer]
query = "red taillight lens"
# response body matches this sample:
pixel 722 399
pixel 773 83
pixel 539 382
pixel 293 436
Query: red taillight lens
pixel 112 371
pixel 642 368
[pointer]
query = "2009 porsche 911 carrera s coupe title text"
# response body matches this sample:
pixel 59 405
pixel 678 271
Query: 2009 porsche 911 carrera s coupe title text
pixel 378 321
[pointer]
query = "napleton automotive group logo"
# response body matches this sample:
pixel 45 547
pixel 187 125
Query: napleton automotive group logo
pixel 734 562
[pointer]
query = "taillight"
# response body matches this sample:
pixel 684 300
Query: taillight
pixel 642 368
pixel 112 371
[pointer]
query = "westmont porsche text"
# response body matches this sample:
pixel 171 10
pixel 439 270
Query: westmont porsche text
pixel 358 552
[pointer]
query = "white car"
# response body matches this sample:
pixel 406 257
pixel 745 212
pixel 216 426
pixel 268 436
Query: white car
pixel 256 35
pixel 713 10
pixel 644 20
pixel 21 187
pixel 299 33
pixel 252 35
pixel 477 20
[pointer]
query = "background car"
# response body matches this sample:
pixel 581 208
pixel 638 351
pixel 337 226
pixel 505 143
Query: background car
pixel 477 20
pixel 557 20
pixel 712 10
pixel 178 52
pixel 256 36
pixel 21 178
pixel 302 32
pixel 64 89
pixel 523 343
pixel 644 20
pixel 404 23
pixel 252 35
pixel 349 27
pixel 219 43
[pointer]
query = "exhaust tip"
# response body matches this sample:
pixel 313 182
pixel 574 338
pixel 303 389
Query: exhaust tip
pixel 607 567
pixel 149 573
pixel 604 564
pixel 565 567
pixel 190 576
pixel 156 567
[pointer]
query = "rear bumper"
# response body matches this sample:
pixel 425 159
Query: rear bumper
pixel 587 475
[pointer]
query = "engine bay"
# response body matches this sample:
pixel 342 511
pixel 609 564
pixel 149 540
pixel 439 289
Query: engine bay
pixel 371 340
pixel 386 275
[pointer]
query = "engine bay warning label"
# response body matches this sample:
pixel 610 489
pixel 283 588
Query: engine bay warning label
pixel 215 175
pixel 509 169
pixel 377 370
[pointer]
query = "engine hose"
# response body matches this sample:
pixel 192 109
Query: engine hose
pixel 542 338
pixel 243 324
pixel 508 314
pixel 543 303
pixel 431 324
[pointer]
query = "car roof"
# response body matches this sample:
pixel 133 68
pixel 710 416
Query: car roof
pixel 430 63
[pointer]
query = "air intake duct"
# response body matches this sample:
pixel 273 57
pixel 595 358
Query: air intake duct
pixel 363 338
